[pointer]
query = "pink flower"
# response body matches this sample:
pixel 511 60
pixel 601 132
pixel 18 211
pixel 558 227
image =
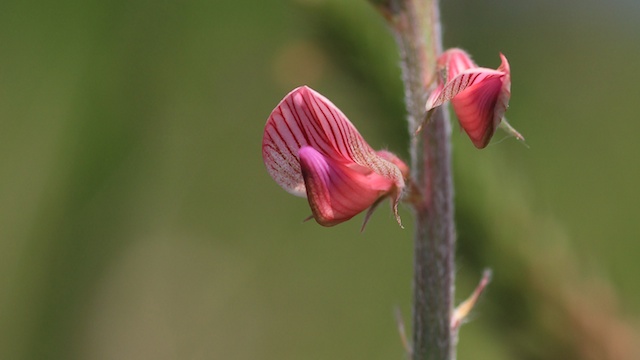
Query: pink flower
pixel 311 149
pixel 479 96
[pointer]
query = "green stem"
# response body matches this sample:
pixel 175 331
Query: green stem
pixel 416 27
pixel 434 247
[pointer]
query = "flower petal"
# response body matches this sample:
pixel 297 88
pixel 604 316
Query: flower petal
pixel 450 64
pixel 480 96
pixel 479 110
pixel 481 107
pixel 336 192
pixel 460 83
pixel 454 61
pixel 306 118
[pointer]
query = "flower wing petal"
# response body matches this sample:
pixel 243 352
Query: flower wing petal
pixel 336 192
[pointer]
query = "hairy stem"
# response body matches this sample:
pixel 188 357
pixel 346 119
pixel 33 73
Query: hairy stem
pixel 434 247
pixel 415 24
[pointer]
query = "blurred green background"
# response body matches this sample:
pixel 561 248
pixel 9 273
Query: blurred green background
pixel 138 221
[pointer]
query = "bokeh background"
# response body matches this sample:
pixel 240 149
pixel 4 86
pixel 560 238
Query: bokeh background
pixel 138 221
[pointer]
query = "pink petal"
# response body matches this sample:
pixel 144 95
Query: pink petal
pixel 459 84
pixel 455 61
pixel 481 107
pixel 480 96
pixel 435 98
pixel 479 111
pixel 450 64
pixel 306 118
pixel 336 192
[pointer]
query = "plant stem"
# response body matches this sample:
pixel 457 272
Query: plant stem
pixel 416 27
pixel 434 247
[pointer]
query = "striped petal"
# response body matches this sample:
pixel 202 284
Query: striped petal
pixel 454 61
pixel 331 187
pixel 479 110
pixel 306 119
pixel 480 96
pixel 450 64
pixel 461 82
